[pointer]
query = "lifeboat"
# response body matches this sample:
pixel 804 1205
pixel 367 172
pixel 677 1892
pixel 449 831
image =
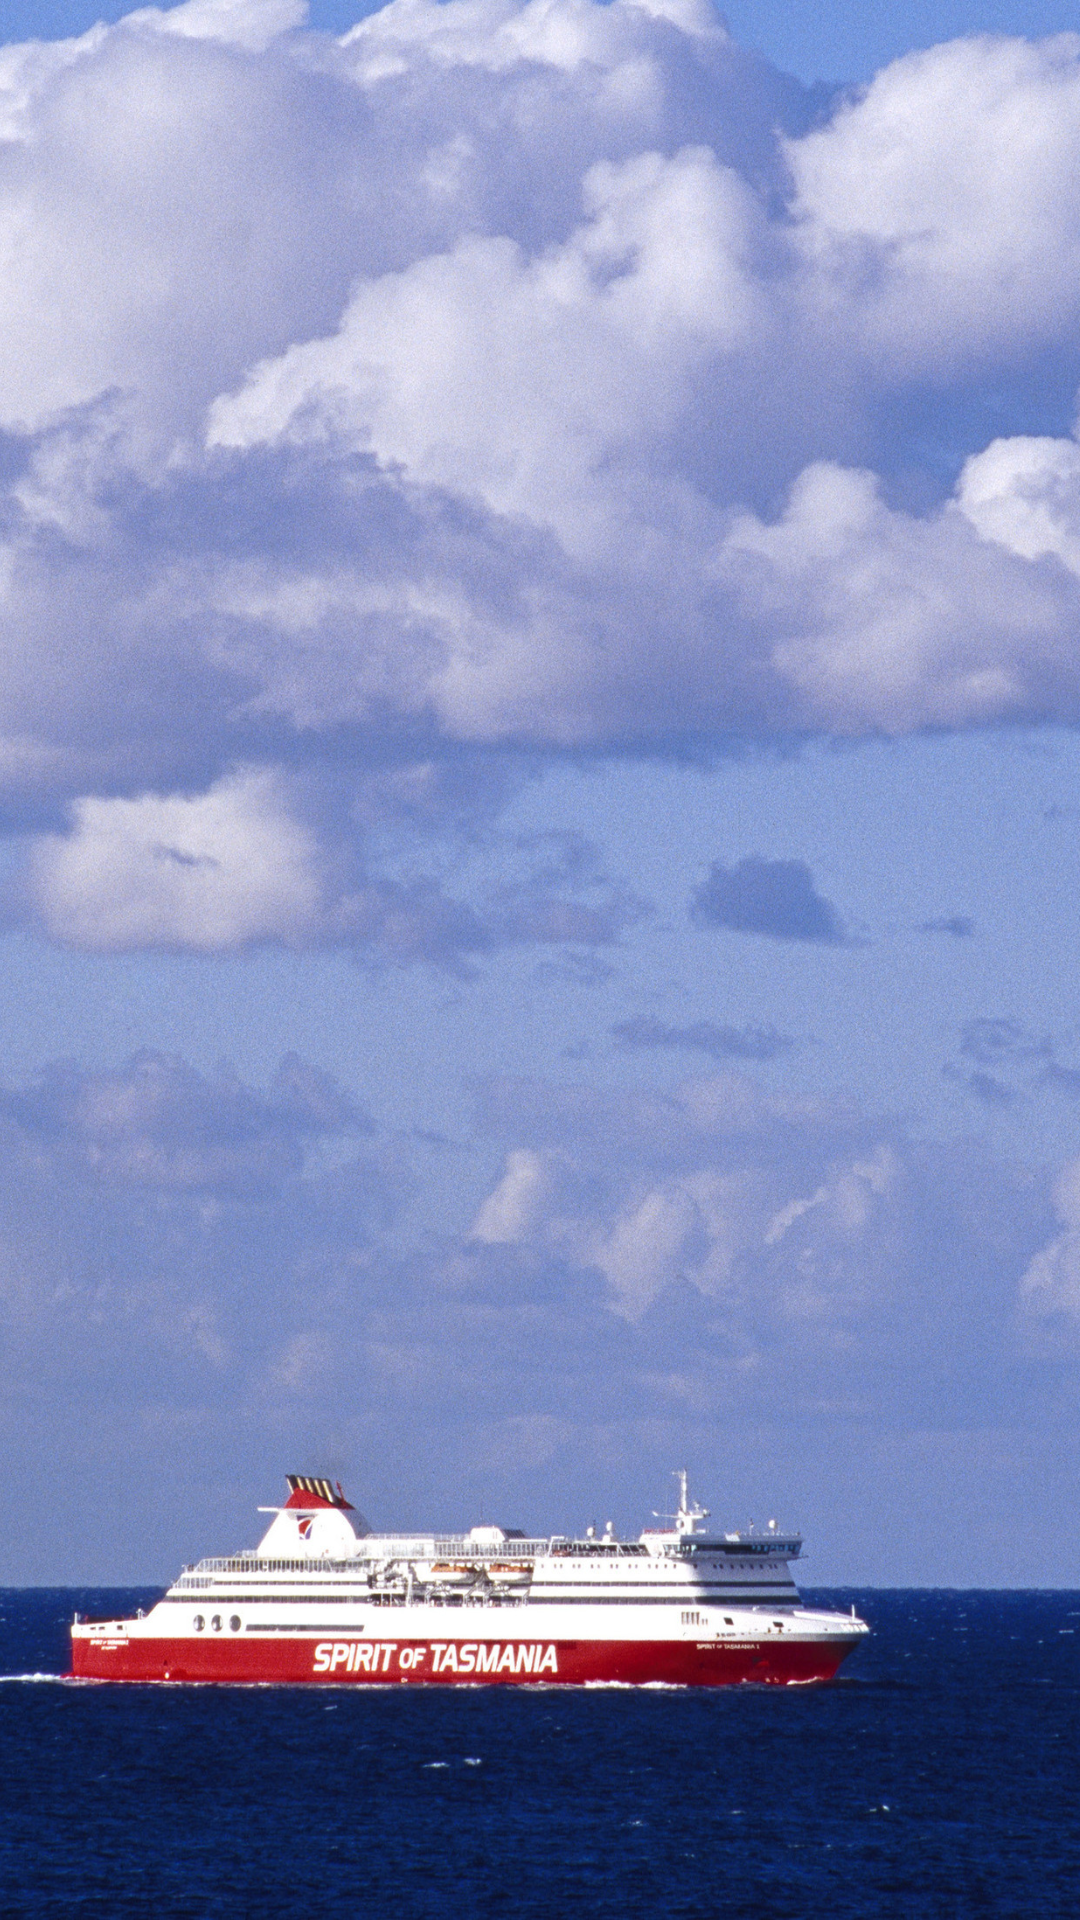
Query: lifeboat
pixel 511 1573
pixel 453 1573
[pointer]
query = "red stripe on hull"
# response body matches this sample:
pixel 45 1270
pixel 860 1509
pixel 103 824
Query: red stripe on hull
pixel 291 1662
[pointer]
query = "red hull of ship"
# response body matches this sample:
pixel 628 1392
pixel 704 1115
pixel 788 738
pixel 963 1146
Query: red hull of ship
pixel 290 1662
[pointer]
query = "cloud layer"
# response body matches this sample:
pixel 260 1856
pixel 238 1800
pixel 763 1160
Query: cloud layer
pixel 704 1036
pixel 201 1281
pixel 502 378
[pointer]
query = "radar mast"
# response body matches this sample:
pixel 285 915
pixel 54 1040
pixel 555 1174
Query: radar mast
pixel 689 1511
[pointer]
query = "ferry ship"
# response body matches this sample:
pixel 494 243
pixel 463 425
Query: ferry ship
pixel 323 1600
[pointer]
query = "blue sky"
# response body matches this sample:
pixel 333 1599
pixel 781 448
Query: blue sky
pixel 539 773
pixel 815 42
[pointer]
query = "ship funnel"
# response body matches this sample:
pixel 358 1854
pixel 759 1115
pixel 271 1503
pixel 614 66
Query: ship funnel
pixel 309 1490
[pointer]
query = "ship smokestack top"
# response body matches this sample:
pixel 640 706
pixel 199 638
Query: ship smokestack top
pixel 309 1490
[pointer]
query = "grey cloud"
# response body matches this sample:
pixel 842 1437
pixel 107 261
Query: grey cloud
pixel 562 895
pixel 390 921
pixel 1003 1052
pixel 1023 1062
pixel 705 1036
pixel 1063 1079
pixel 986 1087
pixel 960 925
pixel 407 922
pixel 1010 1049
pixel 560 858
pixel 994 1041
pixel 774 897
pixel 993 1093
pixel 158 1123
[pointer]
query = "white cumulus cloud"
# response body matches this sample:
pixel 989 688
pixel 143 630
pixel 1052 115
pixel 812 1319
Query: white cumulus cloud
pixel 212 872
pixel 507 375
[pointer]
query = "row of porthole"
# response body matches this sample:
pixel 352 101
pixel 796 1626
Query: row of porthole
pixel 215 1623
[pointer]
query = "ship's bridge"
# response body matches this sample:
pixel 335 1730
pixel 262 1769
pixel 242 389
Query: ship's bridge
pixel 743 1546
pixel 683 1540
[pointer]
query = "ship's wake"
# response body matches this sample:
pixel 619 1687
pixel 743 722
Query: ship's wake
pixel 33 1679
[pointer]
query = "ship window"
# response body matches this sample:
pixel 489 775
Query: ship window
pixel 235 1623
pixel 216 1623
pixel 728 1621
pixel 199 1623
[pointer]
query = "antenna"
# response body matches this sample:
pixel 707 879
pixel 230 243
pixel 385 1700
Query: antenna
pixel 689 1511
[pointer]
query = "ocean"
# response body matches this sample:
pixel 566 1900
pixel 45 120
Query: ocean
pixel 939 1776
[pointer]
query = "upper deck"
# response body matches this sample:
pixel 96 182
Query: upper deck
pixel 464 1548
pixel 312 1545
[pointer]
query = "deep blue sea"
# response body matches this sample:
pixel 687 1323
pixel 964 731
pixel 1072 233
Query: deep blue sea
pixel 939 1776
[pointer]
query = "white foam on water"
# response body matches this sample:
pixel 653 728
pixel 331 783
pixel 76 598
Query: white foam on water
pixel 634 1686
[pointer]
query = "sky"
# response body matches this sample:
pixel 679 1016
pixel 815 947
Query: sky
pixel 539 774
